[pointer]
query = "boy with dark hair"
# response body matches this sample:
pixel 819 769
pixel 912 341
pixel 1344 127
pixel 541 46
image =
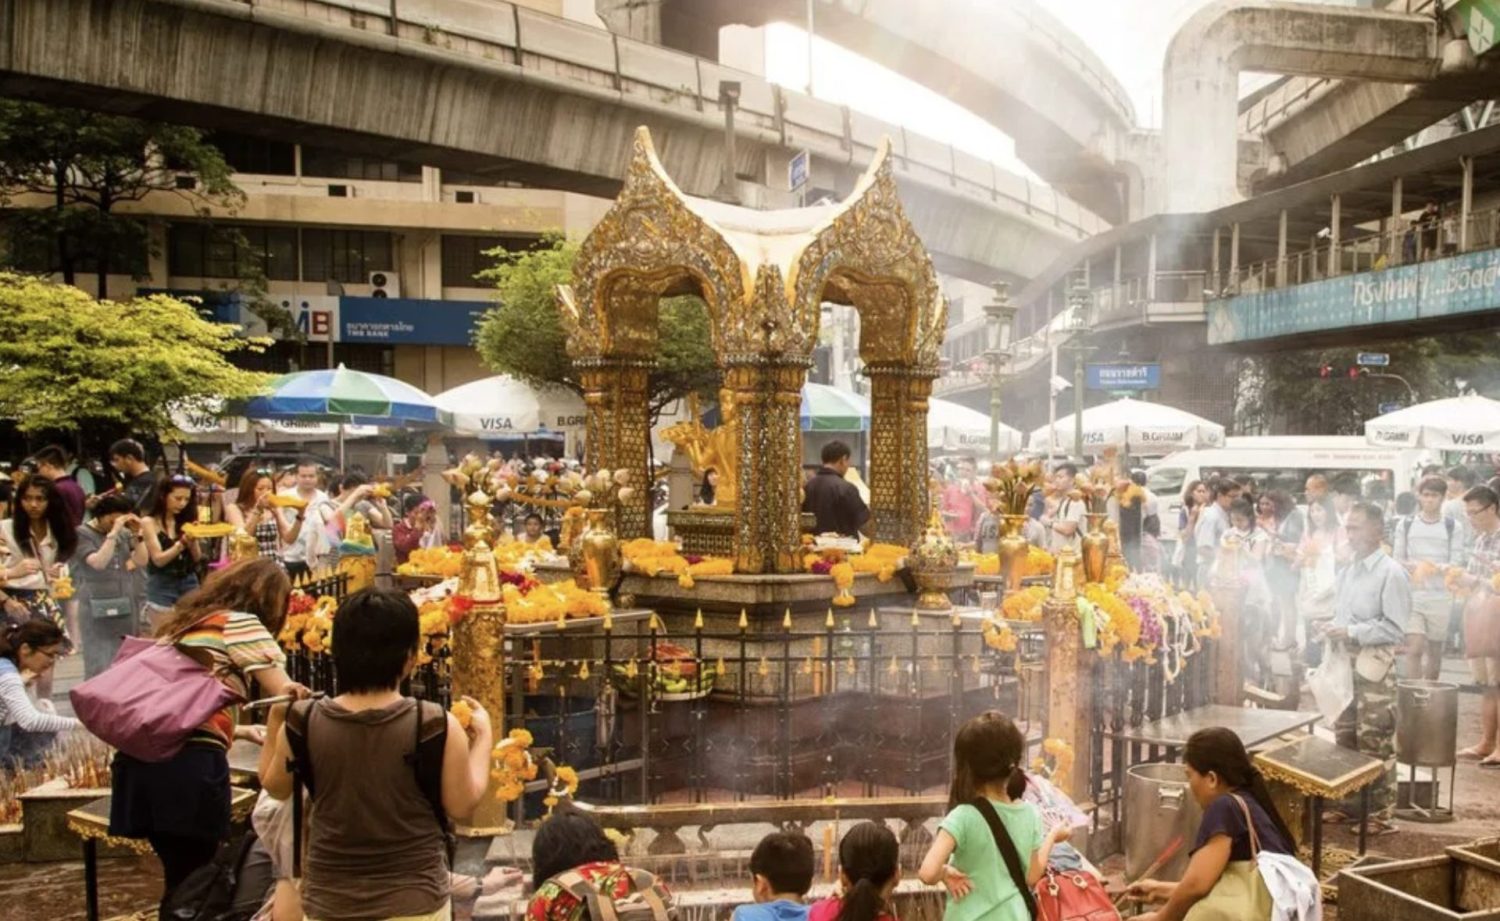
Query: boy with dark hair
pixel 128 459
pixel 52 463
pixel 782 869
pixel 383 772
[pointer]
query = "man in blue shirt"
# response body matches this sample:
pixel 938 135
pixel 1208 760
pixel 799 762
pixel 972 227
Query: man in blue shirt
pixel 1372 603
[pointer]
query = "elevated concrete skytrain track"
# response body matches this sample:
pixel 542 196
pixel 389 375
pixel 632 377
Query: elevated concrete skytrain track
pixel 496 89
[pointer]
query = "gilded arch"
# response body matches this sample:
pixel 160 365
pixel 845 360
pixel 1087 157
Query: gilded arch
pixel 764 276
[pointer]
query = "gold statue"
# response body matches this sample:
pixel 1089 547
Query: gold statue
pixel 242 546
pixel 711 449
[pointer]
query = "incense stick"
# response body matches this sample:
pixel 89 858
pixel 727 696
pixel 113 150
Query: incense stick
pixel 1166 854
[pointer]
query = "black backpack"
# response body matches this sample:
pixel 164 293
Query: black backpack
pixel 231 887
pixel 425 758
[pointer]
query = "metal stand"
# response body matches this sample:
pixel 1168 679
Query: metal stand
pixel 1435 814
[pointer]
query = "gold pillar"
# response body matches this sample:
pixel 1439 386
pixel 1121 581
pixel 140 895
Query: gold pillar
pixel 479 672
pixel 615 392
pixel 1070 679
pixel 898 451
pixel 767 398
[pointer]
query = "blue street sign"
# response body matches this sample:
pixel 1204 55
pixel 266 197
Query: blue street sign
pixel 1389 408
pixel 1123 377
pixel 1373 359
pixel 796 170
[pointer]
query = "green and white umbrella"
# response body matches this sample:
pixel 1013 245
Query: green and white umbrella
pixel 829 409
pixel 346 397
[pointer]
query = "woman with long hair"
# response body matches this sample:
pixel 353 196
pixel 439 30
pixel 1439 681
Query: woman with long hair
pixel 107 594
pixel 1239 820
pixel 181 805
pixel 27 652
pixel 169 555
pixel 1194 499
pixel 37 542
pixel 251 511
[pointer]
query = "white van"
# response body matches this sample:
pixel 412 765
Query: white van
pixel 1282 462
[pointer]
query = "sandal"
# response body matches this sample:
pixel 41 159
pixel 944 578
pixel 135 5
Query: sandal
pixel 1336 817
pixel 1490 764
pixel 1475 753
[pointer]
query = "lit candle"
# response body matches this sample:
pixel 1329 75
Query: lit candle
pixel 828 853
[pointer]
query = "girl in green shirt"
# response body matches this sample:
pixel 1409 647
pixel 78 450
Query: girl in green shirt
pixel 965 857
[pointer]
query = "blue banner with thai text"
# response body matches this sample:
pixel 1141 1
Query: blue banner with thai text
pixel 1123 376
pixel 1469 283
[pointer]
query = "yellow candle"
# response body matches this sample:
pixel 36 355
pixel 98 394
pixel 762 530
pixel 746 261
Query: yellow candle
pixel 828 853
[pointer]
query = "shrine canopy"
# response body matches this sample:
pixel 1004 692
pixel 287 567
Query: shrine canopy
pixel 764 277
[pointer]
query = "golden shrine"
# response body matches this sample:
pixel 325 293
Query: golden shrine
pixel 764 276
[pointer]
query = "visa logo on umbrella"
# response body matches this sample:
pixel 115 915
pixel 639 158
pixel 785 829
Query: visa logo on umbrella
pixel 496 424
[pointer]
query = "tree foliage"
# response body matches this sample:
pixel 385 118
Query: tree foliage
pixel 523 334
pixel 89 163
pixel 71 361
pixel 1286 392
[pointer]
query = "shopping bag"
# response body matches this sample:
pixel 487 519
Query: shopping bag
pixel 1332 683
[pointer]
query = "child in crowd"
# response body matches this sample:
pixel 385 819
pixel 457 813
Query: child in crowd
pixel 782 868
pixel 984 806
pixel 869 869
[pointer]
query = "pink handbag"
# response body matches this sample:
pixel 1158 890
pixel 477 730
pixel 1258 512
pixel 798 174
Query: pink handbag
pixel 150 699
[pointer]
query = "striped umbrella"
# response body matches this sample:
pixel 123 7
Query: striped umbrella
pixel 350 397
pixel 347 397
pixel 829 409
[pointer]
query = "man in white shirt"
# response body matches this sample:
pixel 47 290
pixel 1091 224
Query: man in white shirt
pixel 1213 522
pixel 1428 537
pixel 1065 523
pixel 298 554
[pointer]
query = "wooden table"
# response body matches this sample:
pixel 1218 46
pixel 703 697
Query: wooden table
pixel 1254 727
pixel 91 824
pixel 1321 770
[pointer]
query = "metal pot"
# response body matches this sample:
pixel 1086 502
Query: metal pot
pixel 1427 723
pixel 1158 808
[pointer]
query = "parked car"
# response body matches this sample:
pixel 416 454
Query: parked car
pixel 233 466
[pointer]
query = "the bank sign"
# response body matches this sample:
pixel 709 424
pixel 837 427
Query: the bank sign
pixel 1445 287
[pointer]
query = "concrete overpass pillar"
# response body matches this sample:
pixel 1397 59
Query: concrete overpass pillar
pixel 1234 257
pixel 1395 245
pixel 1151 269
pixel 1281 250
pixel 1333 237
pixel 1465 203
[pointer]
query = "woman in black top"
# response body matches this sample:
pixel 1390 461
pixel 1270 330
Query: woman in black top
pixel 1227 786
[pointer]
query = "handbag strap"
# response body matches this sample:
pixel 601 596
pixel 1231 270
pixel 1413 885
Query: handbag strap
pixel 1008 852
pixel 1249 824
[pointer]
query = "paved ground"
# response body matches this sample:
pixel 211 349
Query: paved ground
pixel 54 891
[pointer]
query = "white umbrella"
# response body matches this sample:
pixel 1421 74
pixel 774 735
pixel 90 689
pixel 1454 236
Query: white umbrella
pixel 955 427
pixel 501 405
pixel 208 426
pixel 1141 428
pixel 1456 424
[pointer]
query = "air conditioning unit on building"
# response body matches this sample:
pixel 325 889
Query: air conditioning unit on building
pixel 385 284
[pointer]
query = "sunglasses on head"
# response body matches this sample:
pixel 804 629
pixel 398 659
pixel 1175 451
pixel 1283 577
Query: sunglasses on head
pixel 180 479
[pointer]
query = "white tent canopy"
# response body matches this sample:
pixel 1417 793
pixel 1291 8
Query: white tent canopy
pixel 208 427
pixel 1150 429
pixel 1469 423
pixel 953 427
pixel 503 406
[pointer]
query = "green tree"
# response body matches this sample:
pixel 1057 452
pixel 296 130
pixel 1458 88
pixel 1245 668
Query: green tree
pixel 88 164
pixel 523 335
pixel 71 361
pixel 1285 391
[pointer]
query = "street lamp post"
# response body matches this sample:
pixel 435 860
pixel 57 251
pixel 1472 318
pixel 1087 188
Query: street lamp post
pixel 1078 322
pixel 1000 315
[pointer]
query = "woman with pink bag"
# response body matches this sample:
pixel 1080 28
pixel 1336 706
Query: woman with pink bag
pixel 181 804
